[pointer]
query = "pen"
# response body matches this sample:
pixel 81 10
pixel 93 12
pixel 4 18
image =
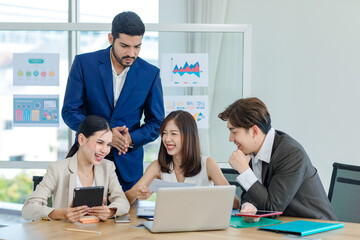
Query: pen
pixel 80 230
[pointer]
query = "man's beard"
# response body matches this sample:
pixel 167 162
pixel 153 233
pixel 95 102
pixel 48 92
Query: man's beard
pixel 120 60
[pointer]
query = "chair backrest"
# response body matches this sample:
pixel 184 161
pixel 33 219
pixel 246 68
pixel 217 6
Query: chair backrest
pixel 344 192
pixel 36 181
pixel 231 175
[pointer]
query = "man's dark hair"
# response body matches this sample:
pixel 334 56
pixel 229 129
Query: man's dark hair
pixel 247 112
pixel 128 23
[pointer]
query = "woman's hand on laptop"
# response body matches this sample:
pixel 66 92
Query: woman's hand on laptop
pixel 249 209
pixel 143 192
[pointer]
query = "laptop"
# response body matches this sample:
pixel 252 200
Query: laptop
pixel 192 209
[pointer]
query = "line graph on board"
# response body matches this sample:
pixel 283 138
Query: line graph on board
pixel 186 74
pixel 189 69
pixel 184 70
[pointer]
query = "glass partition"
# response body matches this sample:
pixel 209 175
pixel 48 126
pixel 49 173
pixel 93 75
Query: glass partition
pixel 30 146
pixel 30 143
pixel 226 61
pixel 23 150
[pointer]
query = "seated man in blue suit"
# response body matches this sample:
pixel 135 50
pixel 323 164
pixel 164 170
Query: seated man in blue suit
pixel 120 86
pixel 275 171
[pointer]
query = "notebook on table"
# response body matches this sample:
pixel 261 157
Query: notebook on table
pixel 192 209
pixel 302 228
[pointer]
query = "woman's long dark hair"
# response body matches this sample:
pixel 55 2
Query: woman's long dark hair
pixel 88 127
pixel 190 153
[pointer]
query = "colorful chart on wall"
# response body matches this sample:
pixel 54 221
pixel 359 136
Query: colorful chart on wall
pixel 196 105
pixel 36 111
pixel 36 69
pixel 185 70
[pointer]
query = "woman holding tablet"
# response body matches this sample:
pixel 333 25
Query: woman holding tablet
pixel 84 166
pixel 179 159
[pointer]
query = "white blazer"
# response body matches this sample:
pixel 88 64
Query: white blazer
pixel 60 181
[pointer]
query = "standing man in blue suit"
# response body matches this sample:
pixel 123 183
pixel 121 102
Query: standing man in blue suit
pixel 120 86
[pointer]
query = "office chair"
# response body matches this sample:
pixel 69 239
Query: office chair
pixel 231 175
pixel 344 192
pixel 36 181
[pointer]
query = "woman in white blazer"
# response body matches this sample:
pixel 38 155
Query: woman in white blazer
pixel 84 166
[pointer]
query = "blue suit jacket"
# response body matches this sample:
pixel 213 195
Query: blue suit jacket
pixel 89 91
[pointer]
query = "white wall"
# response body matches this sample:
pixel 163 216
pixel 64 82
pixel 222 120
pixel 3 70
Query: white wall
pixel 306 69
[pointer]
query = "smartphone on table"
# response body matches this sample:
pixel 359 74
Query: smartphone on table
pixel 122 219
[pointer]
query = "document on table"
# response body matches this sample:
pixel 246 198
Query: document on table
pixel 157 183
pixel 145 208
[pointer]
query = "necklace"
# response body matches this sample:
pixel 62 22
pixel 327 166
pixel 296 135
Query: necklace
pixel 86 175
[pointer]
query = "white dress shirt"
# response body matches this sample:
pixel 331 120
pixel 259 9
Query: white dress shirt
pixel 118 80
pixel 249 177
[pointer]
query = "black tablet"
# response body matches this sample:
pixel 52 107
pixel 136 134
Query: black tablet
pixel 89 196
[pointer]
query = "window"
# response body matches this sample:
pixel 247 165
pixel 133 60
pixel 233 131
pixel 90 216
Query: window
pixel 31 148
pixel 33 11
pixel 17 158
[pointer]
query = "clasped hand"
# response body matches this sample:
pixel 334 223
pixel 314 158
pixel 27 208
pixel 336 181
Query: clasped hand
pixel 121 139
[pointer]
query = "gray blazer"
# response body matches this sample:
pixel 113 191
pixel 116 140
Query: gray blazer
pixel 60 181
pixel 290 183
